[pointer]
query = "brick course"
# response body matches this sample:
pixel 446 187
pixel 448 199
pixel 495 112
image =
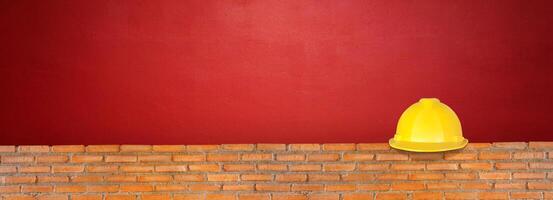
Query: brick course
pixel 503 170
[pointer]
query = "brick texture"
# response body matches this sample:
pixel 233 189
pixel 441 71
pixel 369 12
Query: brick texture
pixel 309 171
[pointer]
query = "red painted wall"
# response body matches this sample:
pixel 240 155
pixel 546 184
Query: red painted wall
pixel 241 71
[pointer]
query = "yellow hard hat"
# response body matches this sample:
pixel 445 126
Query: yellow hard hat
pixel 428 126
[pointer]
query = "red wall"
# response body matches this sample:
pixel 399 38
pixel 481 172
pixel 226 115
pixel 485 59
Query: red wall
pixel 243 71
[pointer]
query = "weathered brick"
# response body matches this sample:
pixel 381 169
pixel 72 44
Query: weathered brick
pixel 102 148
pixel 154 158
pixel 391 156
pixel 238 147
pixel 67 168
pixel 358 196
pixel 374 167
pixel 340 187
pixel 202 148
pixel 136 148
pixel 541 145
pixel 411 166
pixel 442 186
pixel 257 157
pixel 33 169
pixel 494 155
pixel 120 158
pixel 307 187
pixel 460 156
pixel 254 196
pixel 510 145
pixel 494 175
pixel 204 168
pixel 511 165
pixel 493 195
pixel 426 176
pixel 323 177
pixel 154 178
pixel 427 195
pixel 271 147
pixel 357 177
pixel 87 179
pixel 37 188
pixel 284 196
pixel 290 157
pixel 86 158
pixel 391 196
pixel 189 178
pixel 156 197
pixel 373 147
pixel 358 157
pixel 529 175
pixel 526 195
pixel 189 158
pixel 7 149
pixel 238 187
pixel 339 147
pixel 52 158
pixel 226 157
pixel 68 148
pixel 86 197
pixel 136 168
pixel 529 155
pixel 33 149
pixel 305 167
pixel 171 168
pixel 442 166
pixel 322 157
pixel 17 159
pixel 272 167
pixel 223 177
pixel 70 188
pixel 168 148
pixel 238 167
pixel 291 177
pixel 477 166
pixel 136 188
pixel 305 147
pixel 373 187
pixel 540 186
pixel 339 167
pixel 256 177
pixel 273 187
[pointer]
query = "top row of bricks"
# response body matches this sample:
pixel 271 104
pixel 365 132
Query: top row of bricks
pixel 252 147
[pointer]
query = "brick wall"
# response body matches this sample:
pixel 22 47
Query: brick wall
pixel 515 170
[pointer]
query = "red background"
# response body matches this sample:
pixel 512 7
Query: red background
pixel 189 72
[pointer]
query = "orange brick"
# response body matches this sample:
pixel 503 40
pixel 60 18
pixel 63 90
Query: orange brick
pixel 52 179
pixel 323 177
pixel 442 166
pixel 168 148
pixel 291 178
pixel 529 155
pixel 540 186
pixel 101 168
pixel 102 148
pixel 478 146
pixel 460 176
pixel 136 148
pixel 156 197
pixel 391 156
pixel 70 188
pixel 305 168
pixel 373 147
pixel 494 156
pixel 18 197
pixel 475 186
pixel 273 187
pixel 87 197
pixel 442 186
pixel 222 177
pixel 460 195
pixel 373 187
pixel 426 176
pixel 204 168
pixel 7 149
pixel 513 165
pixel 541 165
pixel 411 166
pixel 427 195
pixel 87 179
pixel 189 158
pixel 307 187
pixel 154 158
pixel 33 149
pixel 154 178
pixel 18 179
pixel 238 167
pixel 33 169
pixel 51 197
pixel 358 196
pixel 170 168
pixel 204 187
pixel 220 197
pixel 510 145
pixel 290 157
pixel 238 187
pixel 271 147
pixel 494 175
pixel 67 168
pixel 17 159
pixel 201 148
pixel 493 195
pixel 68 148
pixel 510 186
pixel 256 177
pixel 120 158
pixel 460 156
pixel 426 156
pixel 305 147
pixel 391 176
pixel 529 175
pixel 358 157
pixel 339 147
pixel 526 195
pixel 339 167
pixel 320 157
pixel 172 187
pixel 120 197
pixel 216 157
pixel 238 147
pixel 189 178
pixel 257 157
pixel 541 145
pixel 254 196
pixel 408 186
pixel 10 189
pixel 357 177
pixel 340 187
pixel 136 168
pixel 374 167
pixel 280 196
pixel 102 188
pixel 188 196
pixel 51 159
pixel 37 188
pixel 391 196
pixel 477 166
pixel 86 158
pixel 272 167
pixel 136 188
pixel 120 178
